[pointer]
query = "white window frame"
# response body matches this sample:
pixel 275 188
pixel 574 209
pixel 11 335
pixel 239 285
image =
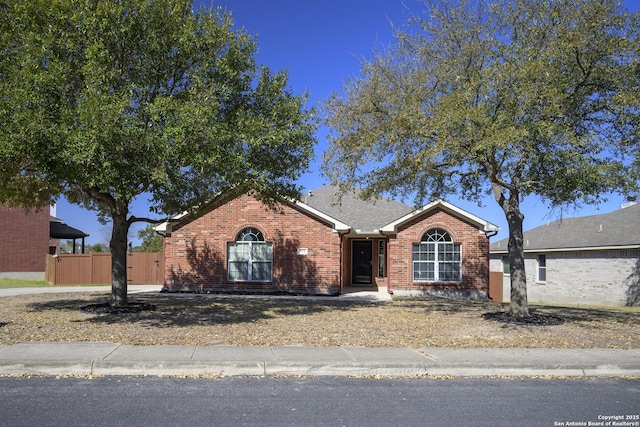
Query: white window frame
pixel 541 268
pixel 253 246
pixel 436 251
pixel 506 266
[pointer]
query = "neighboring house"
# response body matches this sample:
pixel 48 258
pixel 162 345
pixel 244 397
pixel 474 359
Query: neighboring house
pixel 58 230
pixel 585 260
pixel 322 245
pixel 24 243
pixel 25 240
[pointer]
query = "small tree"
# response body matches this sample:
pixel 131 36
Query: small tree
pixel 509 98
pixel 105 101
pixel 151 241
pixel 97 247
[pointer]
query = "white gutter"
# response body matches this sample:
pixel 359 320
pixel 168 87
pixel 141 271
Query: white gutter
pixel 572 249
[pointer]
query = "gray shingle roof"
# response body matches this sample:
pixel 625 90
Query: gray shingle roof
pixel 60 230
pixel 618 228
pixel 366 216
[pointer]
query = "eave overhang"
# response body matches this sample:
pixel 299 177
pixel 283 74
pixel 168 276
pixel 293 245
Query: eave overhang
pixel 483 225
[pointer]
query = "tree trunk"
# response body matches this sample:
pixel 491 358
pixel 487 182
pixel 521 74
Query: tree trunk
pixel 118 246
pixel 519 306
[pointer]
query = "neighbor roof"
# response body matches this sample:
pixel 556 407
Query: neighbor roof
pixel 616 230
pixel 60 230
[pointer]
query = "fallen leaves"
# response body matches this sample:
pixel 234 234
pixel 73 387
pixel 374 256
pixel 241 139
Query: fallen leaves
pixel 220 320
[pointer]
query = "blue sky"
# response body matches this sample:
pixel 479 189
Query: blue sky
pixel 321 44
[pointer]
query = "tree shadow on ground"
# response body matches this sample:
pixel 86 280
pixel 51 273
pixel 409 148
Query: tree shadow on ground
pixel 185 310
pixel 568 314
pixel 182 310
pixel 447 306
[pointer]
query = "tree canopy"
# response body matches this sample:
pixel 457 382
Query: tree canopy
pixel 103 101
pixel 151 241
pixel 507 98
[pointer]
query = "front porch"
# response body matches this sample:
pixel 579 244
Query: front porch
pixel 365 293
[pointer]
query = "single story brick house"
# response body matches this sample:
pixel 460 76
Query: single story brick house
pixel 592 260
pixel 323 244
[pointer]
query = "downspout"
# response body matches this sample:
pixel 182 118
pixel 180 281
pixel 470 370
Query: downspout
pixel 489 235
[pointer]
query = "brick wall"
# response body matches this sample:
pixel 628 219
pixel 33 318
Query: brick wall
pixel 610 277
pixel 196 251
pixel 590 277
pixel 24 241
pixel 475 263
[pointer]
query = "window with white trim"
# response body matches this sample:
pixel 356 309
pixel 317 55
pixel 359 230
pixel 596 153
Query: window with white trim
pixel 542 268
pixel 437 258
pixel 250 258
pixel 506 265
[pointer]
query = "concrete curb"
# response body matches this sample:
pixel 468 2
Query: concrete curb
pixel 77 358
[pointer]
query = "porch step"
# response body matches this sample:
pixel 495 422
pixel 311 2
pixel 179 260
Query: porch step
pixel 365 294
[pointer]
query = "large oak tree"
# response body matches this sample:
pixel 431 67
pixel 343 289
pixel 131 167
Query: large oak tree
pixel 104 101
pixel 507 97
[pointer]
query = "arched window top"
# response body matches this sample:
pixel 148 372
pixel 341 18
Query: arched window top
pixel 250 234
pixel 436 235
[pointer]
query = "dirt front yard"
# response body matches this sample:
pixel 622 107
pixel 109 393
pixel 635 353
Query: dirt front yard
pixel 218 320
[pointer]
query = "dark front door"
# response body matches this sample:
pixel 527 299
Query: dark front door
pixel 361 264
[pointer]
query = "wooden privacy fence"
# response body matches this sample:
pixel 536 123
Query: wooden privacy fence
pixel 495 286
pixel 95 268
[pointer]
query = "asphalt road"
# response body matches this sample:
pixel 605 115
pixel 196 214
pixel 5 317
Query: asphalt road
pixel 153 401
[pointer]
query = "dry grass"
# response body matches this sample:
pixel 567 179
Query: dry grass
pixel 205 320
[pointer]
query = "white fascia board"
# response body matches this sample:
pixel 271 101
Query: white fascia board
pixel 486 226
pixel 337 225
pixel 165 227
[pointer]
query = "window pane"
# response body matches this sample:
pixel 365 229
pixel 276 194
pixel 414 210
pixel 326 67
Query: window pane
pixel 436 235
pixel 250 234
pixel 542 268
pixel 262 251
pixel 542 275
pixel 238 270
pixel 238 252
pixel 423 271
pixel 506 265
pixel 449 272
pixel 261 271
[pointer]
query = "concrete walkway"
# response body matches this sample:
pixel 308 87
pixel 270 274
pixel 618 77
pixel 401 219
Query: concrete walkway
pixel 102 358
pixel 350 294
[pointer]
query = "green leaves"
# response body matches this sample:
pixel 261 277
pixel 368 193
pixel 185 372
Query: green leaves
pixel 126 97
pixel 538 97
pixel 103 101
pixel 506 97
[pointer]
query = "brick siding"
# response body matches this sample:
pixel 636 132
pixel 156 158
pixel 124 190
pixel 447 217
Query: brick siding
pixel 607 277
pixel 475 251
pixel 24 240
pixel 196 251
